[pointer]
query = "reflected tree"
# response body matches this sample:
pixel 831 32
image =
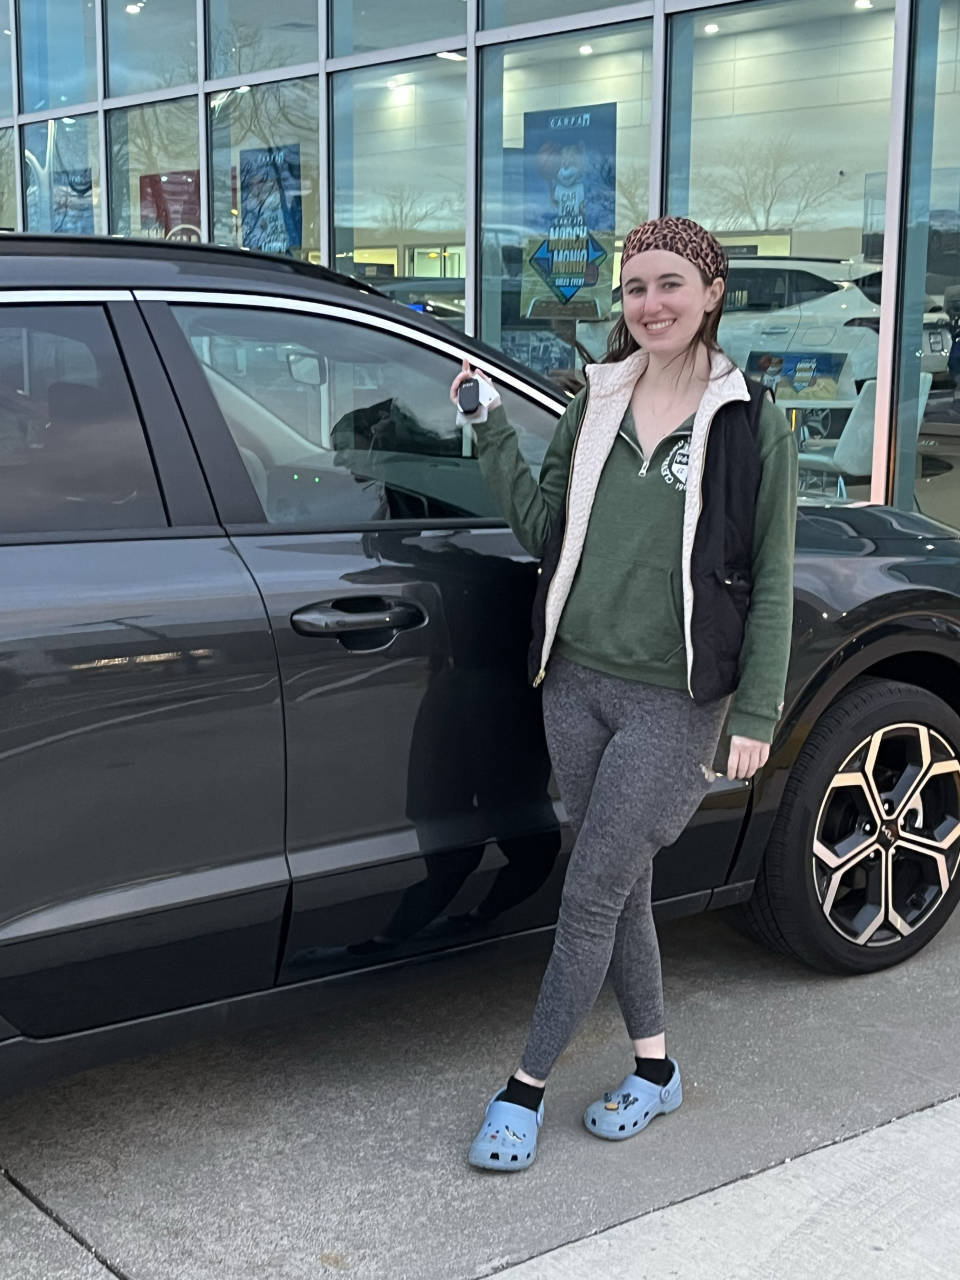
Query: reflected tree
pixel 239 47
pixel 406 207
pixel 766 187
pixel 633 196
pixel 8 186
pixel 151 141
pixel 270 120
pixel 59 178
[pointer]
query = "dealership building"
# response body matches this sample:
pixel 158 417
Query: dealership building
pixel 482 161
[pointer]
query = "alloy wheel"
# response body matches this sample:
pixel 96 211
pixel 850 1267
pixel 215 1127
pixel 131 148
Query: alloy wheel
pixel 887 841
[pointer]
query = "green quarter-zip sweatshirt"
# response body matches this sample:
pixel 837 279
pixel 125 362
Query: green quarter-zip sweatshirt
pixel 624 613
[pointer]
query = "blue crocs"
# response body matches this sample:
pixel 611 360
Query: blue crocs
pixel 629 1108
pixel 507 1141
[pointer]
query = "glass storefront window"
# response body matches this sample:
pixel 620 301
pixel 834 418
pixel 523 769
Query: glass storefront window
pixel 565 175
pixel 779 120
pixel 399 164
pixel 264 158
pixel 361 26
pixel 155 170
pixel 505 13
pixel 8 181
pixel 927 476
pixel 150 46
pixel 247 35
pixel 58 53
pixel 61 176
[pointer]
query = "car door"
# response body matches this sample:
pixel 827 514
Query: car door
pixel 823 314
pixel 419 808
pixel 141 745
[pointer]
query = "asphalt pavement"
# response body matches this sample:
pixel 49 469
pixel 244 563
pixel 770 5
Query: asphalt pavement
pixel 335 1145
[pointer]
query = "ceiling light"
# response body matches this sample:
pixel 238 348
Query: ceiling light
pixel 711 28
pixel 69 120
pixel 133 8
pixel 453 57
pixel 6 32
pixel 586 48
pixel 391 84
pixel 244 88
pixel 863 4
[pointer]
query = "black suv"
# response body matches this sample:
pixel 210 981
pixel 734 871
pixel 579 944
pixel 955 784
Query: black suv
pixel 264 717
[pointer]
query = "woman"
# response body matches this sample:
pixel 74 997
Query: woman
pixel 664 517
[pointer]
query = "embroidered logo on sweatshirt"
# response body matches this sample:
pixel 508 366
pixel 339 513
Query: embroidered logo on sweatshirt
pixel 674 467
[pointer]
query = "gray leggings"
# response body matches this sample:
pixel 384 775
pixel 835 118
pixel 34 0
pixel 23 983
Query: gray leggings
pixel 633 761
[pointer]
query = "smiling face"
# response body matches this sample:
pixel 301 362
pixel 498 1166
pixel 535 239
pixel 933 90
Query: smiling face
pixel 665 300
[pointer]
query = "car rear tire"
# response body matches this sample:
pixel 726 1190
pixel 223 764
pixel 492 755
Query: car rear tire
pixel 861 869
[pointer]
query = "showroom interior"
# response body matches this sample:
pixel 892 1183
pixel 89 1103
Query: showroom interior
pixel 481 161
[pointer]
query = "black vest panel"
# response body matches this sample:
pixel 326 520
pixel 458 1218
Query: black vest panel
pixel 721 566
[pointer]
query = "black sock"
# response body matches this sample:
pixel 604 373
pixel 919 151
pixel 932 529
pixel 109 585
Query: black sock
pixel 523 1095
pixel 656 1070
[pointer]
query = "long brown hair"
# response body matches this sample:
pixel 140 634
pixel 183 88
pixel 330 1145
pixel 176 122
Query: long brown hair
pixel 621 342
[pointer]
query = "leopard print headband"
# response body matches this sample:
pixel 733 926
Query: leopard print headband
pixel 681 236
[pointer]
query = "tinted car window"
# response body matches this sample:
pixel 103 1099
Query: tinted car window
pixel 871 286
pixel 760 289
pixel 72 450
pixel 339 423
pixel 806 287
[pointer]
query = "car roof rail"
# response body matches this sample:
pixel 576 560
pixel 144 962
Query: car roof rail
pixel 26 242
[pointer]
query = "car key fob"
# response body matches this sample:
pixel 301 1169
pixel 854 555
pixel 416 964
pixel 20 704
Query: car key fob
pixel 468 396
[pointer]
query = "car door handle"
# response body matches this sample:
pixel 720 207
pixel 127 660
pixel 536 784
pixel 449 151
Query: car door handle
pixel 779 328
pixel 357 613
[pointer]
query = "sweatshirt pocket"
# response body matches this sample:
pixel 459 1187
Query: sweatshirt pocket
pixel 624 612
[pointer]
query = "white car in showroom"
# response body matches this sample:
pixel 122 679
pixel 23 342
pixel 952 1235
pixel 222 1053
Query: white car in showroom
pixel 784 305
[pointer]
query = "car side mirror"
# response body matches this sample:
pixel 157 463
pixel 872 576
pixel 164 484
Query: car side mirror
pixel 306 368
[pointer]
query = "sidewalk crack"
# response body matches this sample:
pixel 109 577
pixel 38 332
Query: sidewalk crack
pixel 55 1218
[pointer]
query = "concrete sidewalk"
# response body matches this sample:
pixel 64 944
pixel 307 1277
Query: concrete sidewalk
pixel 335 1146
pixel 878 1206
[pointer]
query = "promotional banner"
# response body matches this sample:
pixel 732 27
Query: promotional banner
pixel 271 207
pixel 569 187
pixel 65 203
pixel 73 202
pixel 802 375
pixel 170 205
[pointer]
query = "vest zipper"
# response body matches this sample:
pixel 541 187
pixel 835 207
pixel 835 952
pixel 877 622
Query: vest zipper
pixel 573 456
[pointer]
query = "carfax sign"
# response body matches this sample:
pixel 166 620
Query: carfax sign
pixel 569 187
pixel 271 204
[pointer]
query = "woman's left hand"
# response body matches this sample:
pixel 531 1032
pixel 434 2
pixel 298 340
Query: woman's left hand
pixel 747 755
